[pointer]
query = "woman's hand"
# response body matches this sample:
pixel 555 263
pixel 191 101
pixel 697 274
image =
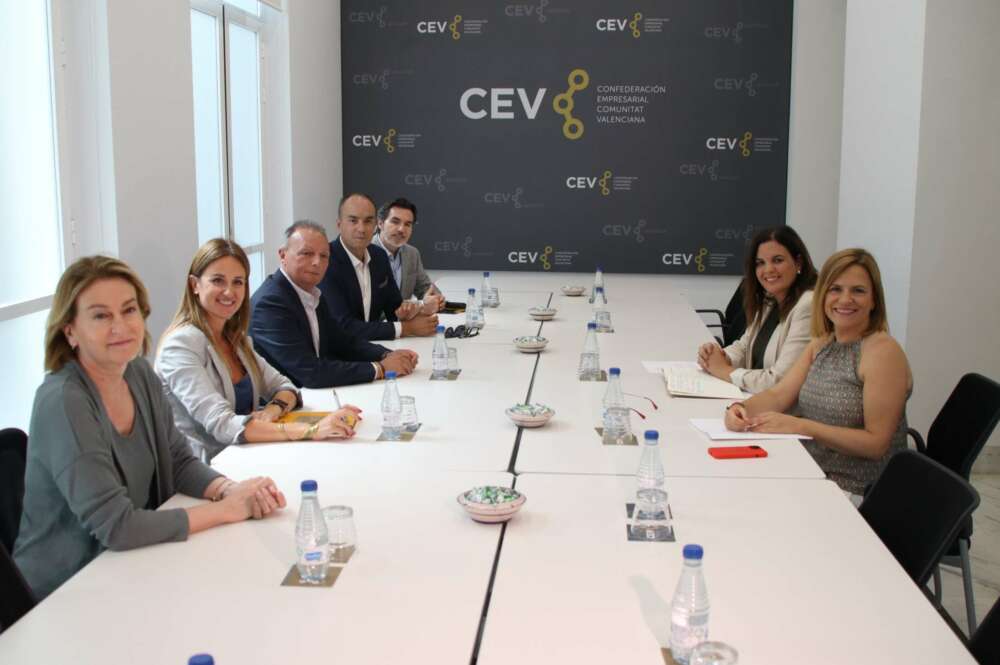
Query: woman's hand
pixel 268 414
pixel 704 351
pixel 736 418
pixel 714 360
pixel 255 497
pixel 339 424
pixel 773 422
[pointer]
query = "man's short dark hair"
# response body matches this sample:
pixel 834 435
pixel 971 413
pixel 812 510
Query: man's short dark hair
pixel 405 204
pixel 340 206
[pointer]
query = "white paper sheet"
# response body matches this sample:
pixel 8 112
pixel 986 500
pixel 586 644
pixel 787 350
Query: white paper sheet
pixel 715 429
pixel 698 383
pixel 657 366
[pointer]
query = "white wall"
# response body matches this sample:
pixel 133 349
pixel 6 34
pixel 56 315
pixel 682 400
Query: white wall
pixel 881 133
pixel 954 304
pixel 152 121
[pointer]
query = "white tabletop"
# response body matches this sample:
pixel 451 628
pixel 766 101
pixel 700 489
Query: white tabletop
pixel 794 575
pixel 413 591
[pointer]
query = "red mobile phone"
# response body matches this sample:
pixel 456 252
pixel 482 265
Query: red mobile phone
pixel 737 452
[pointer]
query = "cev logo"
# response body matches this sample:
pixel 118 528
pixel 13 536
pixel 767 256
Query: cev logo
pixel 734 234
pixel 626 230
pixel 426 179
pixel 528 257
pixel 744 143
pixel 588 182
pixel 621 25
pixel 681 259
pixel 377 18
pixel 465 246
pixel 503 198
pixel 736 85
pixel 725 32
pixel 378 78
pixel 441 27
pixel 375 140
pixel 500 103
pixel 521 11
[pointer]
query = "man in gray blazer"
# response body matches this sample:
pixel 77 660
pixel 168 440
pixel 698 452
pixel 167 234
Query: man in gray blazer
pixel 396 220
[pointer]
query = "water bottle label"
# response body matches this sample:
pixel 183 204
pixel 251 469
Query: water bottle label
pixel 316 556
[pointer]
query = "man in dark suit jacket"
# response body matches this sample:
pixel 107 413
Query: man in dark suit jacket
pixel 359 285
pixel 293 329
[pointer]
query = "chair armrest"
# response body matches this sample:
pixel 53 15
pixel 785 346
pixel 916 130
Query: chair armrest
pixel 917 439
pixel 722 317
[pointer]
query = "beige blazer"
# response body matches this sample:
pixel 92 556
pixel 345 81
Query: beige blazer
pixel 787 343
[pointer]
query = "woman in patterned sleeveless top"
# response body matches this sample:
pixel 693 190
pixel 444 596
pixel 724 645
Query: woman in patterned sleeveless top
pixel 851 383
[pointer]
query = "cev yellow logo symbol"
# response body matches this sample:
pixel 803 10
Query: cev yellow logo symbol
pixel 745 144
pixel 389 145
pixel 546 264
pixel 453 26
pixel 578 80
pixel 634 25
pixel 603 182
pixel 699 260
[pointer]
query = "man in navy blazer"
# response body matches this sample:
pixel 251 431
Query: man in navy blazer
pixel 292 328
pixel 359 287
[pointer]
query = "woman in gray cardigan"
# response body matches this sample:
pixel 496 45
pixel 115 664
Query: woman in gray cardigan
pixel 777 297
pixel 214 379
pixel 103 452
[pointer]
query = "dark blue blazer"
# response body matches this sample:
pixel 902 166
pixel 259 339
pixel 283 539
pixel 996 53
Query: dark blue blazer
pixel 281 334
pixel 342 291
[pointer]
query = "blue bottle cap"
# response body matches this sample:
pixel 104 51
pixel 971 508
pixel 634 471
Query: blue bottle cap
pixel 591 325
pixel 439 329
pixel 614 371
pixel 600 289
pixel 693 552
pixel 600 269
pixel 652 435
pixel 486 273
pixel 390 375
pixel 309 486
pixel 472 292
pixel 201 659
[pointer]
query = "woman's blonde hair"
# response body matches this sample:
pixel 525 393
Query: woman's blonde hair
pixel 834 268
pixel 74 281
pixel 190 311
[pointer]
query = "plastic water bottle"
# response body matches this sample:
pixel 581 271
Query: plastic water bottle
pixel 485 291
pixel 650 475
pixel 590 358
pixel 392 408
pixel 598 283
pixel 311 537
pixel 617 429
pixel 474 317
pixel 601 315
pixel 689 611
pixel 201 659
pixel 439 356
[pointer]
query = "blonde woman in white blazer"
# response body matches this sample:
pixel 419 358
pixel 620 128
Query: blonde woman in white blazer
pixel 777 296
pixel 221 391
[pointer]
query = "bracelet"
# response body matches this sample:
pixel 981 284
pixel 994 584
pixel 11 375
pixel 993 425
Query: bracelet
pixel 380 374
pixel 221 493
pixel 280 403
pixel 281 426
pixel 311 432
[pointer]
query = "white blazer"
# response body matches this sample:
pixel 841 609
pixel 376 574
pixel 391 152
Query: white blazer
pixel 787 343
pixel 200 390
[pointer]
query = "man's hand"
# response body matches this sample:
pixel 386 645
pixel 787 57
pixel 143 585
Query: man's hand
pixel 407 310
pixel 433 303
pixel 401 362
pixel 420 326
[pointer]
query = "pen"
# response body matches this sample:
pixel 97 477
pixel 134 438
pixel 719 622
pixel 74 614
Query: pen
pixel 336 399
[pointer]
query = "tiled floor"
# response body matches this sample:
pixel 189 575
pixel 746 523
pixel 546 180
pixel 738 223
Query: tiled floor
pixel 985 555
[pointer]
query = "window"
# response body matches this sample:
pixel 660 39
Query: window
pixel 31 232
pixel 226 57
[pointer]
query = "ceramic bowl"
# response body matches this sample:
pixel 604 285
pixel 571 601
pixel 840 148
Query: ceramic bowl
pixel 491 504
pixel 530 415
pixel 542 313
pixel 573 290
pixel 530 343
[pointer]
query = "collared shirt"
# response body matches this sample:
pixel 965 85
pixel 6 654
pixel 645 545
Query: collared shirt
pixel 310 301
pixel 364 274
pixel 395 260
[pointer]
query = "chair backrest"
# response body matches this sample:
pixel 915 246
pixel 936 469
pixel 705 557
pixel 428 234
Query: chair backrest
pixel 15 594
pixel 13 453
pixel 964 424
pixel 985 642
pixel 736 317
pixel 916 507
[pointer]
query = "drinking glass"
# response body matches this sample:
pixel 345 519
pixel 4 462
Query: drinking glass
pixel 714 653
pixel 343 537
pixel 452 359
pixel 409 419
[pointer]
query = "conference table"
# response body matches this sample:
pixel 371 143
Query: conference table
pixel 794 573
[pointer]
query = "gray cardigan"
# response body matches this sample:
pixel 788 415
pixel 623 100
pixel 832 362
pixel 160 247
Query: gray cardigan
pixel 75 500
pixel 201 392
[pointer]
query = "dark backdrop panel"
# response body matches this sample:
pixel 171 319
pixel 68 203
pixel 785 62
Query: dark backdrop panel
pixel 677 146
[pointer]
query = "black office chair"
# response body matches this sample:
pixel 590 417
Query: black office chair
pixel 733 322
pixel 955 439
pixel 915 524
pixel 13 453
pixel 985 642
pixel 16 598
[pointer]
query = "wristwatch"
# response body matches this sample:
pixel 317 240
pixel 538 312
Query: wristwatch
pixel 282 404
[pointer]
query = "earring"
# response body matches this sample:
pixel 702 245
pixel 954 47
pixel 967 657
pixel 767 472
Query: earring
pixel 799 271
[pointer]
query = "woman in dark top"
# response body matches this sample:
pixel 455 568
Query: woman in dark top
pixel 103 451
pixel 778 278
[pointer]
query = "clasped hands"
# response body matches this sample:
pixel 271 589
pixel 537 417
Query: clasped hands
pixel 770 422
pixel 714 360
pixel 418 320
